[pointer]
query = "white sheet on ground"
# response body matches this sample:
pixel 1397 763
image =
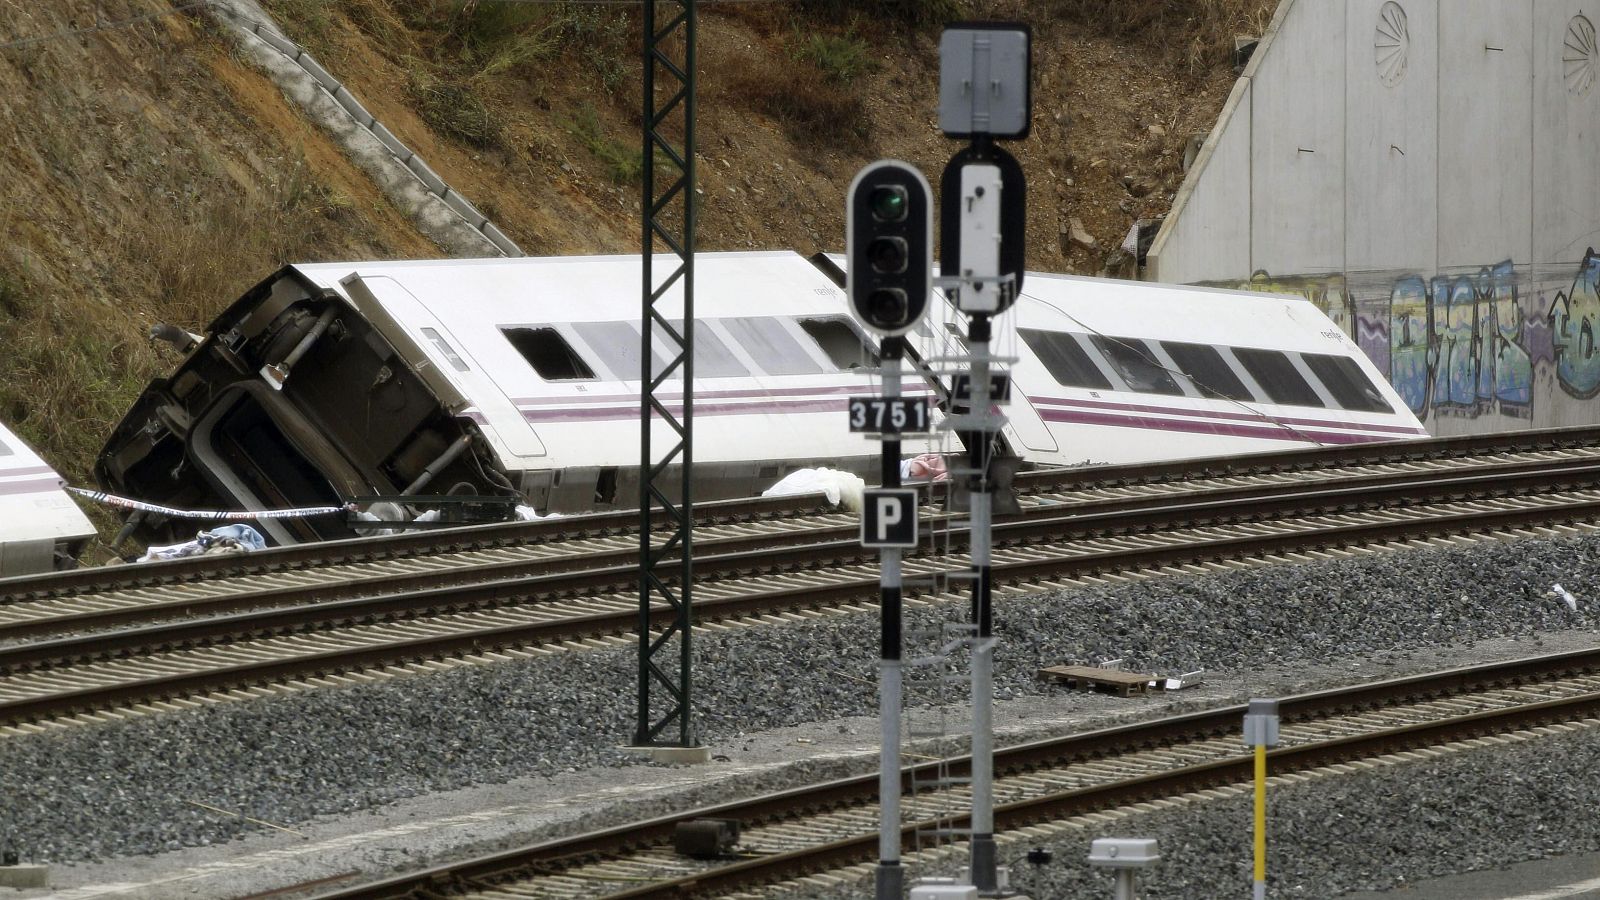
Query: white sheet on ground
pixel 841 488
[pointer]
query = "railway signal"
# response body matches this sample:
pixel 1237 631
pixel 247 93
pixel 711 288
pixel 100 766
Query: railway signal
pixel 889 239
pixel 984 95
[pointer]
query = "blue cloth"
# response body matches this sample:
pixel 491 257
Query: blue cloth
pixel 243 535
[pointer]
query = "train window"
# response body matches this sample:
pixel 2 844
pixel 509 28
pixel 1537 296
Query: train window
pixel 1346 382
pixel 1208 370
pixel 549 353
pixel 1066 360
pixel 712 358
pixel 1138 367
pixel 444 347
pixel 842 342
pixel 772 346
pixel 1277 376
pixel 618 345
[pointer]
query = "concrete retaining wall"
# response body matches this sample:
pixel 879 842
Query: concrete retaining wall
pixel 438 210
pixel 1429 172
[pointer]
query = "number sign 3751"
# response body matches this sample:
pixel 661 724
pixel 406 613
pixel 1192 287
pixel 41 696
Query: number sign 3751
pixel 889 415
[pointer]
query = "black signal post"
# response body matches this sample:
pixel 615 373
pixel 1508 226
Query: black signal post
pixel 889 238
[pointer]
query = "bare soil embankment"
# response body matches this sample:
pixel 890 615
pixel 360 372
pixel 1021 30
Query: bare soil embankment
pixel 148 175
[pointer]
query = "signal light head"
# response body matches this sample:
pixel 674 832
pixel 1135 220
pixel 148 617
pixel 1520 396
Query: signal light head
pixel 889 230
pixel 888 255
pixel 887 307
pixel 888 203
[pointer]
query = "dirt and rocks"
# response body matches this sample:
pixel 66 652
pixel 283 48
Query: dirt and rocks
pixel 151 175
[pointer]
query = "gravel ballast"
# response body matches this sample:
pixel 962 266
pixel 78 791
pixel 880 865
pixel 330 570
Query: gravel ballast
pixel 1371 830
pixel 132 787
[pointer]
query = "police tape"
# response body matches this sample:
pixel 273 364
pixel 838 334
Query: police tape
pixel 125 503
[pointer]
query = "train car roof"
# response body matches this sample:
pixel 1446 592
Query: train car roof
pixel 33 505
pixel 1144 309
pixel 14 453
pixel 606 287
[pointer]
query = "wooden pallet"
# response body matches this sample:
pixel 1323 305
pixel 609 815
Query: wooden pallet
pixel 1094 678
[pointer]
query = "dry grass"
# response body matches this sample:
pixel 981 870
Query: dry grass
pixel 119 215
pixel 814 109
pixel 1205 29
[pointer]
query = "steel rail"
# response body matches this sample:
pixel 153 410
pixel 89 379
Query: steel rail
pixel 409 592
pixel 862 589
pixel 480 872
pixel 366 549
pixel 435 541
pixel 457 589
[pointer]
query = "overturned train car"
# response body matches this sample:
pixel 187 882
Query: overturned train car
pixel 520 378
pixel 516 377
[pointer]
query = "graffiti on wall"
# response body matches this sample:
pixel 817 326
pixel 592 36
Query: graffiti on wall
pixel 1574 318
pixel 1468 343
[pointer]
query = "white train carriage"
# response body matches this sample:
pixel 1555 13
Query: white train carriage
pixel 41 528
pixel 1124 372
pixel 521 377
pixel 518 376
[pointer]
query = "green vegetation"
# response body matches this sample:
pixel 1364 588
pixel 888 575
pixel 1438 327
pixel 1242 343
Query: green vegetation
pixel 13 300
pixel 501 37
pixel 454 108
pixel 624 163
pixel 841 58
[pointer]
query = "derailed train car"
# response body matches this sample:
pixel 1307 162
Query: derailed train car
pixel 41 528
pixel 520 377
pixel 505 376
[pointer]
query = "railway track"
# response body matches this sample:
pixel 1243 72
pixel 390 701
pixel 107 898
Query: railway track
pixel 513 611
pixel 828 833
pixel 93 599
pixel 97 597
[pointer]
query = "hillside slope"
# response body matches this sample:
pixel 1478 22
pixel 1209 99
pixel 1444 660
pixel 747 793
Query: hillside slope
pixel 150 175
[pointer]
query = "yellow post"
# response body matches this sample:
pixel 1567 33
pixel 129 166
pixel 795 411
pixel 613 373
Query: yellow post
pixel 1261 822
pixel 1261 732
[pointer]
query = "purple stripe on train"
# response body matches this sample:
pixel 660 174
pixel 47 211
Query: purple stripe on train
pixel 631 413
pixel 34 486
pixel 748 393
pixel 27 470
pixel 1201 427
pixel 1228 416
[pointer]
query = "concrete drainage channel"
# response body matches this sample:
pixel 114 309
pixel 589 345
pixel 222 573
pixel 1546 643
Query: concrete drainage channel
pixel 439 211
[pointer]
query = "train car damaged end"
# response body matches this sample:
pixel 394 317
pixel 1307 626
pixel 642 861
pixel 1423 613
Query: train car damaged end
pixel 292 400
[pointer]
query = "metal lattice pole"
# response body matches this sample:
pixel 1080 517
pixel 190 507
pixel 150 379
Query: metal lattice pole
pixel 666 570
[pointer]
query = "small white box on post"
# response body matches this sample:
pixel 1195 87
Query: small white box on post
pixel 1127 856
pixel 1261 724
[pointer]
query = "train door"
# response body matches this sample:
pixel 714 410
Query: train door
pixel 460 381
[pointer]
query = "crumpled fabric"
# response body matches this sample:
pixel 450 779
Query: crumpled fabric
pixel 222 540
pixel 841 488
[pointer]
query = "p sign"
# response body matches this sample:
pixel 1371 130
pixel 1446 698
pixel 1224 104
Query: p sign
pixel 889 517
